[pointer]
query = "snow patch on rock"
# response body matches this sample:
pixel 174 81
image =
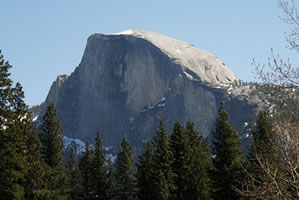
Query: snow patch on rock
pixel 77 144
pixel 127 32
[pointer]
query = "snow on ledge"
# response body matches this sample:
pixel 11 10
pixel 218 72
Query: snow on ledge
pixel 127 32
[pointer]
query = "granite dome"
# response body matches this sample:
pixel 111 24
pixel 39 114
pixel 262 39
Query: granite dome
pixel 205 66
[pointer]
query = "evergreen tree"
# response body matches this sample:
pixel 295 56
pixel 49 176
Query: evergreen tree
pixel 179 144
pixel 145 171
pixel 228 157
pixel 74 178
pixel 126 182
pixel 20 166
pixel 264 159
pixel 85 166
pixel 191 164
pixel 199 165
pixel 52 154
pixel 32 183
pixel 110 189
pixel 100 170
pixel 13 164
pixel 33 179
pixel 51 138
pixel 163 185
pixel 5 90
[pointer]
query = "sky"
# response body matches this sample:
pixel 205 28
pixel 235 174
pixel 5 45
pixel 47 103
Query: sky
pixel 44 39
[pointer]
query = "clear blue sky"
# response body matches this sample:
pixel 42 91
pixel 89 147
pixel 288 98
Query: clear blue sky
pixel 43 39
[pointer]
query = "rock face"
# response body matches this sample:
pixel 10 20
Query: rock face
pixel 127 82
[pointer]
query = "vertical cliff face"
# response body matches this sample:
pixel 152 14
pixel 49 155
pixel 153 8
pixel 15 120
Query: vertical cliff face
pixel 127 82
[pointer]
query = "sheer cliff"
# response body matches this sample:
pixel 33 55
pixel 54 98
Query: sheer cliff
pixel 127 82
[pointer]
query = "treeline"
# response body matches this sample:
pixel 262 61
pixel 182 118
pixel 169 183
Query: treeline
pixel 176 165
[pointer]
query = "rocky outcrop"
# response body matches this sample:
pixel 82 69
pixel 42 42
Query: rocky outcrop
pixel 127 82
pixel 53 94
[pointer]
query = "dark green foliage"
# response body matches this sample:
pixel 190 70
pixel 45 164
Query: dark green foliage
pixel 13 167
pixel 17 140
pixel 264 144
pixel 51 138
pixel 33 180
pixel 192 163
pixel 228 157
pixel 263 157
pixel 110 184
pixel 13 163
pixel 145 174
pixel 101 180
pixel 52 154
pixel 163 192
pixel 20 166
pixel 99 170
pixel 126 181
pixel 5 88
pixel 200 165
pixel 74 178
pixel 180 148
pixel 85 166
pixel 163 186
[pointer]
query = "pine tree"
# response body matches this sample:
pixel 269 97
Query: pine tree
pixel 199 165
pixel 228 157
pixel 179 145
pixel 52 154
pixel 100 170
pixel 74 178
pixel 145 171
pixel 126 182
pixel 13 164
pixel 33 179
pixel 110 189
pixel 163 185
pixel 85 166
pixel 51 138
pixel 191 164
pixel 32 183
pixel 20 166
pixel 265 166
pixel 5 89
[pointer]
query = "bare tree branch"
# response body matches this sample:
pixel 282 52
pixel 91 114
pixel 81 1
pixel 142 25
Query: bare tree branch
pixel 280 71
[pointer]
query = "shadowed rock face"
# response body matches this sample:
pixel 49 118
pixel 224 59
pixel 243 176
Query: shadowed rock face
pixel 126 83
